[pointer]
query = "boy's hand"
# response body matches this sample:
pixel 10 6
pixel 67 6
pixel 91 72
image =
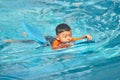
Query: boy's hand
pixel 63 46
pixel 66 45
pixel 69 44
pixel 88 37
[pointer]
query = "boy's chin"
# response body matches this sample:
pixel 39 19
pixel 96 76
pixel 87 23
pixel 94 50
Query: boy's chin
pixel 66 41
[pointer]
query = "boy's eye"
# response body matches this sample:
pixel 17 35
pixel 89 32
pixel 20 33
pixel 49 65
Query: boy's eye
pixel 65 36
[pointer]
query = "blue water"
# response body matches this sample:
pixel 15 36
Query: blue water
pixel 31 61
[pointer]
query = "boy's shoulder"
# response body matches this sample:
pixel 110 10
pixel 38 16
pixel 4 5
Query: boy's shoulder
pixel 56 42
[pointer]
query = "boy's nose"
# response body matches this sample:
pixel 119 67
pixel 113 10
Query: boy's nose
pixel 69 38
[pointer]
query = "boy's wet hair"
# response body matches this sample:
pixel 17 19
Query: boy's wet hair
pixel 62 27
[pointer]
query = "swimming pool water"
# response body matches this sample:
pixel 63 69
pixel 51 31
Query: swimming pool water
pixel 31 61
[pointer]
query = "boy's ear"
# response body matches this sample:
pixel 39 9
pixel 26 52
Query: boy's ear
pixel 57 37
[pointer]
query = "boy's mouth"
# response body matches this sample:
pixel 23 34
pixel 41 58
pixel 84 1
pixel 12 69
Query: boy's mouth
pixel 67 41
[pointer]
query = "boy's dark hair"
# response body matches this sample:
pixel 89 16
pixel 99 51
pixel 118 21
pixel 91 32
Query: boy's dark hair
pixel 62 27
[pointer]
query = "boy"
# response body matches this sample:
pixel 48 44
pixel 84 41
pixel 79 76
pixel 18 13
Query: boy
pixel 64 37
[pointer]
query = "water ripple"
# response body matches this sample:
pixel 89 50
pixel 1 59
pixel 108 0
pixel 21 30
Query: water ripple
pixel 25 60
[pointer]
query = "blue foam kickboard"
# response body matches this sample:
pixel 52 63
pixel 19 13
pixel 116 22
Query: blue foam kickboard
pixel 34 34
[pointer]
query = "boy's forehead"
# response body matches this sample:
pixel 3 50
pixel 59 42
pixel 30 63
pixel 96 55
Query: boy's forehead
pixel 66 32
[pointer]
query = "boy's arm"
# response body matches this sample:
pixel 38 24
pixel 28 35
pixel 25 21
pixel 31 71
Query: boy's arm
pixel 83 37
pixel 16 41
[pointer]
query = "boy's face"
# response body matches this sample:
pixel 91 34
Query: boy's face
pixel 65 36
